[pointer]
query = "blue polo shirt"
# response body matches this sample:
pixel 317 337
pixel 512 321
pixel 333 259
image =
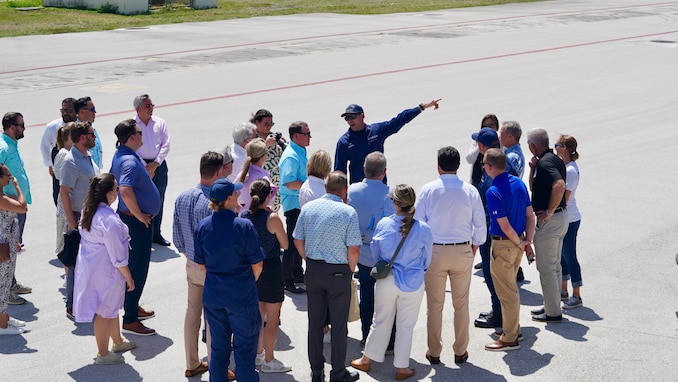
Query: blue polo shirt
pixel 353 146
pixel 228 246
pixel 130 171
pixel 507 197
pixel 292 167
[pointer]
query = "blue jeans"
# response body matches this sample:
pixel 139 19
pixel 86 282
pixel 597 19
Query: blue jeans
pixel 569 261
pixel 485 256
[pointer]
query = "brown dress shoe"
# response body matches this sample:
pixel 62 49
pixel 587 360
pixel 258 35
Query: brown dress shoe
pixel 461 358
pixel 203 367
pixel 500 345
pixel 360 366
pixel 231 375
pixel 137 328
pixel 433 360
pixel 144 314
pixel 400 376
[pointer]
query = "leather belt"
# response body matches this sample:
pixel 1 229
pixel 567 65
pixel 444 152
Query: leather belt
pixel 559 209
pixel 444 244
pixel 496 237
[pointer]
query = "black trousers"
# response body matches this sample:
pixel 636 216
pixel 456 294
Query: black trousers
pixel 160 181
pixel 292 269
pixel 328 286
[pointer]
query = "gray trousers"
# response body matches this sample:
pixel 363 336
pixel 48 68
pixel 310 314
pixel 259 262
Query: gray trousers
pixel 548 247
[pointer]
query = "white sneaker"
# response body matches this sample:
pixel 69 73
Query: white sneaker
pixel 109 359
pixel 16 323
pixel 10 330
pixel 124 346
pixel 261 358
pixel 274 366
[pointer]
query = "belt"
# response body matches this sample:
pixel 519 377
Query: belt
pixel 124 212
pixel 496 237
pixel 559 209
pixel 444 244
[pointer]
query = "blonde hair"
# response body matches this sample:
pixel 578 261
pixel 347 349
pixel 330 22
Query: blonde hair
pixel 404 196
pixel 319 164
pixel 256 150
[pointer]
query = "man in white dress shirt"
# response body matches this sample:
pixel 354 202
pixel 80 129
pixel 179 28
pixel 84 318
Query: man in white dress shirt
pixel 454 211
pixel 156 139
pixel 48 141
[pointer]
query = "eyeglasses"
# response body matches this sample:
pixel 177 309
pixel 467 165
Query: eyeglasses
pixel 350 117
pixel 148 105
pixel 20 125
pixel 93 109
pixel 559 145
pixel 138 132
pixel 305 134
pixel 269 124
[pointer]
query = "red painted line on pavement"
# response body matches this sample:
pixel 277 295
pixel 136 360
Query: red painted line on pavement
pixel 375 74
pixel 335 35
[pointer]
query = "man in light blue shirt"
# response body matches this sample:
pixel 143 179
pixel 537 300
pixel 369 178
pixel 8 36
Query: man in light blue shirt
pixel 327 236
pixel 509 137
pixel 370 200
pixel 292 176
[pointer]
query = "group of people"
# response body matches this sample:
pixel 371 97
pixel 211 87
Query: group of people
pixel 340 218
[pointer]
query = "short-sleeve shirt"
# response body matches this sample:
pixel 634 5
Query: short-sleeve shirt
pixel 131 172
pixel 9 155
pixel 507 198
pixel 76 171
pixel 371 202
pixel 328 227
pixel 550 168
pixel 228 246
pixel 292 167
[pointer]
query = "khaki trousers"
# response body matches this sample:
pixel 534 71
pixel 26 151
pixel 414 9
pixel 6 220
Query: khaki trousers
pixel 454 262
pixel 196 282
pixel 505 259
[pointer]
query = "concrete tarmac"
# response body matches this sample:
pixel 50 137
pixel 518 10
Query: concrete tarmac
pixel 602 71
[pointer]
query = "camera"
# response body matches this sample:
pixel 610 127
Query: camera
pixel 279 139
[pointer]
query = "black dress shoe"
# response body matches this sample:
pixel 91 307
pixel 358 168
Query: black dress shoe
pixel 349 376
pixel 295 289
pixel 432 360
pixel 538 311
pixel 318 377
pixel 161 240
pixel 545 318
pixel 520 277
pixel 489 322
pixel 485 314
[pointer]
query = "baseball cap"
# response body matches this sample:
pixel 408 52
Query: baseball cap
pixel 486 136
pixel 352 109
pixel 223 188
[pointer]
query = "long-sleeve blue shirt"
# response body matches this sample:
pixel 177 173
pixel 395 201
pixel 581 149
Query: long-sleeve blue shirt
pixel 353 146
pixel 415 255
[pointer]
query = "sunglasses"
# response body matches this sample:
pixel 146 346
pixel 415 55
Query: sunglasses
pixel 350 117
pixel 305 134
pixel 269 124
pixel 148 105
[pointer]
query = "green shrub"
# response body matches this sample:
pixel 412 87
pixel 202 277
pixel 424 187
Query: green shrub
pixel 108 8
